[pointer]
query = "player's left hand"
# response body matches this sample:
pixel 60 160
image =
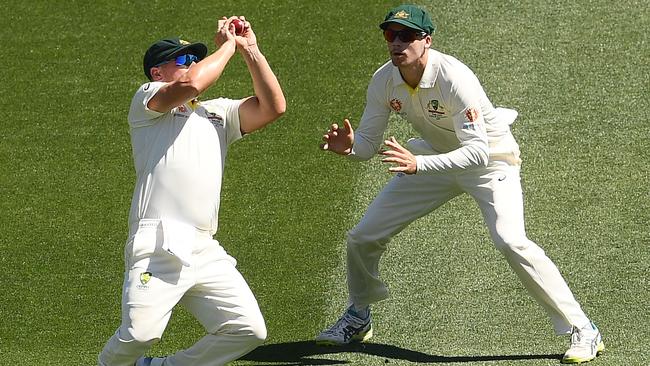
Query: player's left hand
pixel 397 154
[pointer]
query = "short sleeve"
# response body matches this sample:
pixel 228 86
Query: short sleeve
pixel 139 114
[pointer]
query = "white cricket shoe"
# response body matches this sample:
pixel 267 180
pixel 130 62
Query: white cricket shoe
pixel 349 328
pixel 586 344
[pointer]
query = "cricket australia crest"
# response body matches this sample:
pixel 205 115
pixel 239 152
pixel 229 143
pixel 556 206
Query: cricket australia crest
pixel 145 277
pixel 435 109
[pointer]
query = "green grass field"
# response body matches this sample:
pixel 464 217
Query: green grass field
pixel 578 73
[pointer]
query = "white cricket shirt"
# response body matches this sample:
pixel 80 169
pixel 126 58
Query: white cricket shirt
pixel 179 158
pixel 449 109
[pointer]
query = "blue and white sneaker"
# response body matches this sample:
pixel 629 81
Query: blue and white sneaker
pixel 349 328
pixel 586 344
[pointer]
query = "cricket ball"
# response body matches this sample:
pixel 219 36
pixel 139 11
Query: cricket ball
pixel 239 26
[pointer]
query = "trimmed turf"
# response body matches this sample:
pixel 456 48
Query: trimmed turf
pixel 577 73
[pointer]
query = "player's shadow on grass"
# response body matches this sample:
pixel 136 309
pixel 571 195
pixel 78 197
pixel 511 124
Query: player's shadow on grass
pixel 301 353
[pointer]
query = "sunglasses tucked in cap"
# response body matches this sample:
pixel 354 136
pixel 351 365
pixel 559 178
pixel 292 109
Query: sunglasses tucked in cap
pixel 183 60
pixel 168 49
pixel 409 16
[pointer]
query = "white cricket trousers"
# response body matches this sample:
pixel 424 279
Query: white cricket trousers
pixel 211 289
pixel 497 190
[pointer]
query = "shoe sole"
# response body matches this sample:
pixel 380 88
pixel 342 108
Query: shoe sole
pixel 600 348
pixel 356 338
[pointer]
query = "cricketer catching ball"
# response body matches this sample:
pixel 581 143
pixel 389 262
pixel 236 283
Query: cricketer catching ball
pixel 239 27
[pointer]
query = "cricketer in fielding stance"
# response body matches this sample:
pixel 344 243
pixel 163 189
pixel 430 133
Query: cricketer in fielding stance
pixel 179 149
pixel 465 146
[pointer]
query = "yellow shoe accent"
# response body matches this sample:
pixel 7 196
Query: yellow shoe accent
pixel 577 359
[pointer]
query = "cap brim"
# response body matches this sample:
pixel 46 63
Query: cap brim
pixel 197 49
pixel 405 23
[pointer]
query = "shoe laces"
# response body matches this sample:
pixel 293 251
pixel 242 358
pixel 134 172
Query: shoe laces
pixel 348 325
pixel 580 337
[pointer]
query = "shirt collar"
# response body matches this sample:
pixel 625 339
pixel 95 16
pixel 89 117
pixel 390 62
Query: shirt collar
pixel 430 74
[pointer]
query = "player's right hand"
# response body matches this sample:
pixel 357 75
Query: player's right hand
pixel 339 139
pixel 225 32
pixel 247 38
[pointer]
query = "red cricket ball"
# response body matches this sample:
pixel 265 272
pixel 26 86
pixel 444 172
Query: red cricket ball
pixel 239 26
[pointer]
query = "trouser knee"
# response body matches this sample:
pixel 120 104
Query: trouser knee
pixel 123 348
pixel 251 331
pixel 361 241
pixel 258 334
pixel 514 245
pixel 144 337
pixel 364 251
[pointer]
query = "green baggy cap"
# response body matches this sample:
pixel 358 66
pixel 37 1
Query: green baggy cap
pixel 167 49
pixel 410 16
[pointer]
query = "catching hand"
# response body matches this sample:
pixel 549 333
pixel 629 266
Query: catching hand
pixel 339 140
pixel 237 28
pixel 403 159
pixel 225 31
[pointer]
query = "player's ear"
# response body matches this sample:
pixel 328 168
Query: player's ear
pixel 155 74
pixel 427 41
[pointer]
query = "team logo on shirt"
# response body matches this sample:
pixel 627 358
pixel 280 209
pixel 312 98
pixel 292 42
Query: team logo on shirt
pixel 435 110
pixel 182 111
pixel 471 114
pixel 396 105
pixel 215 119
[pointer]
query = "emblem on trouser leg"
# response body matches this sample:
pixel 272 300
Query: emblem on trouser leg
pixel 145 277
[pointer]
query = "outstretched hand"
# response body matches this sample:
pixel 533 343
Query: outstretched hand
pixel 397 154
pixel 339 139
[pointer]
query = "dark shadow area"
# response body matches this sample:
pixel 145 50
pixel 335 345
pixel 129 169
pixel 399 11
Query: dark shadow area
pixel 301 353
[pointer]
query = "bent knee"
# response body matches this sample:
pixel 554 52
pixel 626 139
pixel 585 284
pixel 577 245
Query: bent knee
pixel 360 238
pixel 253 330
pixel 144 337
pixel 512 243
pixel 257 331
pixel 131 338
pixel 259 334
pixel 124 343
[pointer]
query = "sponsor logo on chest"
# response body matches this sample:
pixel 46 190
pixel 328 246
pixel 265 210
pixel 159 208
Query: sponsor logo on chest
pixel 435 110
pixel 215 119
